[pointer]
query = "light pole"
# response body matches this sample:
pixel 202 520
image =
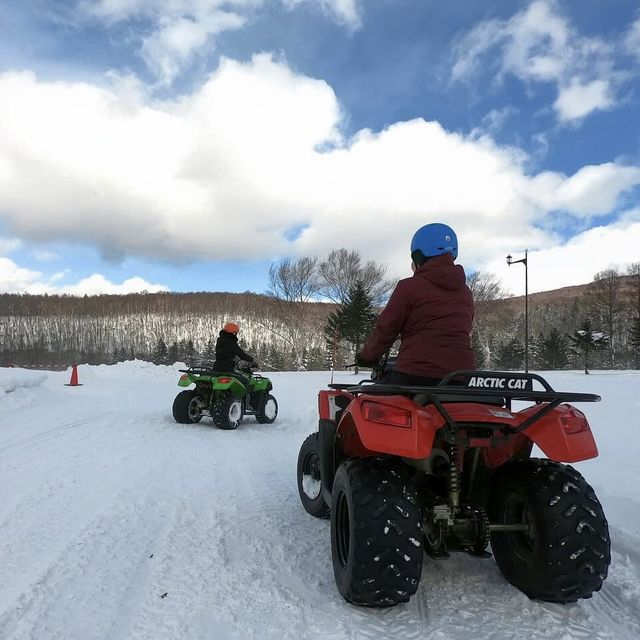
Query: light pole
pixel 511 261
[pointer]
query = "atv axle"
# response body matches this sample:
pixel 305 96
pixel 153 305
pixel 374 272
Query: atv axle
pixel 509 527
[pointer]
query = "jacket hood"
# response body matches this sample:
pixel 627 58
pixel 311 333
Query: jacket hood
pixel 229 336
pixel 441 272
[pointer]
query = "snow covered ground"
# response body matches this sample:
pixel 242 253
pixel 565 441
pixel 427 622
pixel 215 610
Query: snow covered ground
pixel 118 523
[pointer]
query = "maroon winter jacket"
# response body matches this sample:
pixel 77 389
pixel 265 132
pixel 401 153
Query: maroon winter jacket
pixel 432 312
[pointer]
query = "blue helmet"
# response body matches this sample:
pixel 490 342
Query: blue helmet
pixel 434 240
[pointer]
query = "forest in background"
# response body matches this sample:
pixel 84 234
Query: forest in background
pixel 288 328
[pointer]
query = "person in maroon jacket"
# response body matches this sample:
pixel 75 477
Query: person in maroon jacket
pixel 432 312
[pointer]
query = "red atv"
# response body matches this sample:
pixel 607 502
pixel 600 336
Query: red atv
pixel 403 469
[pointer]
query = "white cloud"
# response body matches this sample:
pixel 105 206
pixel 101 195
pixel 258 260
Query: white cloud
pixel 180 30
pixel 15 279
pixel 538 44
pixel 494 121
pixel 573 262
pixel 97 284
pixel 632 39
pixel 172 47
pixel 8 245
pixel 578 100
pixel 346 12
pixel 44 256
pixel 227 172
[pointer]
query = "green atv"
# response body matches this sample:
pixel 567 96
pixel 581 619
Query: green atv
pixel 226 397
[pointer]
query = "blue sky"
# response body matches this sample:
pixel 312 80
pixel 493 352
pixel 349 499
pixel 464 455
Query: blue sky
pixel 187 144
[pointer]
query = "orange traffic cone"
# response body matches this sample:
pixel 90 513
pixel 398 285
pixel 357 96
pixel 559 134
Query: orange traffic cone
pixel 74 378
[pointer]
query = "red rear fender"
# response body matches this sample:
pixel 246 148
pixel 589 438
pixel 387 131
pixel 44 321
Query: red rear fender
pixel 563 434
pixel 327 407
pixel 390 424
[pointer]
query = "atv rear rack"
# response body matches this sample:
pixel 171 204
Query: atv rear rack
pixel 500 391
pixel 208 371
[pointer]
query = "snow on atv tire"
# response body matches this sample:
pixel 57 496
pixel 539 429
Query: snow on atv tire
pixel 187 407
pixel 268 411
pixel 566 554
pixel 309 479
pixel 376 533
pixel 227 413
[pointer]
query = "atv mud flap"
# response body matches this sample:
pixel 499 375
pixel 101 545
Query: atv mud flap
pixel 326 444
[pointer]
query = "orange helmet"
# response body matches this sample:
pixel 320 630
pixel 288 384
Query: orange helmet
pixel 231 327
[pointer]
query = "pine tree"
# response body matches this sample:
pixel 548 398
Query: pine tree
pixel 209 353
pixel 190 355
pixel 160 352
pixel 535 352
pixel 554 350
pixel 173 353
pixel 354 320
pixel 332 339
pixel 585 341
pixel 276 359
pixel 511 355
pixel 634 340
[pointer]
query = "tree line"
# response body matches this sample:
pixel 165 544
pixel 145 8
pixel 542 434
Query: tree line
pixel 316 314
pixel 595 325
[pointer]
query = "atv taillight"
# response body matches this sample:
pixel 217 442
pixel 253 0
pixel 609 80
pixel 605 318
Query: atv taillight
pixel 574 421
pixel 224 380
pixel 385 414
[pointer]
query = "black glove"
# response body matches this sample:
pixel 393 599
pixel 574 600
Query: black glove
pixel 255 365
pixel 361 362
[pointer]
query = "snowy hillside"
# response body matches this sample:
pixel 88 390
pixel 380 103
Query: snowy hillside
pixel 117 523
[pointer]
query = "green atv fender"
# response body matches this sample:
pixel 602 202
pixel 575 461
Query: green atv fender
pixel 218 383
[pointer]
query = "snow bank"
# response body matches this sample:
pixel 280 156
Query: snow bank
pixel 12 379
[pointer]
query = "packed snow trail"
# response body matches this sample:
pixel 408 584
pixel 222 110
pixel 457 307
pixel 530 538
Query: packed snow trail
pixel 118 523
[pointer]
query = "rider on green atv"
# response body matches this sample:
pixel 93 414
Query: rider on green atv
pixel 228 351
pixel 221 391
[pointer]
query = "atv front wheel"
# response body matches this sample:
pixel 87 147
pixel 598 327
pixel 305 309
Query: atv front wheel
pixel 187 407
pixel 268 411
pixel 310 480
pixel 376 533
pixel 563 552
pixel 227 413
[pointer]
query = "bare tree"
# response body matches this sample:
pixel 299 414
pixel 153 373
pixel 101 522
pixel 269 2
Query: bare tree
pixel 633 330
pixel 633 270
pixel 295 280
pixel 293 285
pixel 342 269
pixel 605 300
pixel 485 288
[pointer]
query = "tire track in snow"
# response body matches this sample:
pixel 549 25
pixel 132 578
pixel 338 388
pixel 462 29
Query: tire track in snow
pixel 87 586
pixel 44 436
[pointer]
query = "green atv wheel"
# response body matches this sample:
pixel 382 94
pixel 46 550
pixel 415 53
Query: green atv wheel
pixel 228 412
pixel 187 407
pixel 268 411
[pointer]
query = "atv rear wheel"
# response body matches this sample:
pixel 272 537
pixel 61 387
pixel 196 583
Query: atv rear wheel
pixel 564 554
pixel 376 533
pixel 310 480
pixel 187 407
pixel 228 412
pixel 268 411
